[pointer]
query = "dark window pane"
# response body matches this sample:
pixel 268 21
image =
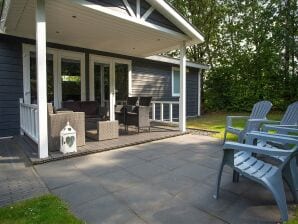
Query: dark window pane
pixel 71 80
pixel 121 81
pixel 33 81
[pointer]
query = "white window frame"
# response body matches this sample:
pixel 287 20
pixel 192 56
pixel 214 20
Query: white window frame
pixel 176 69
pixel 79 56
pixel 27 48
pixel 112 62
pixel 57 56
pixel 173 93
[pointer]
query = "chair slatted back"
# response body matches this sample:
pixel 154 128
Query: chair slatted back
pixel 291 115
pixel 260 110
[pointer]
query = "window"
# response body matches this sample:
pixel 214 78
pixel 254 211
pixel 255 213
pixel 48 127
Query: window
pixel 71 79
pixel 175 82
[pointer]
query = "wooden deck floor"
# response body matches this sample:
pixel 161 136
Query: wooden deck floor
pixel 132 137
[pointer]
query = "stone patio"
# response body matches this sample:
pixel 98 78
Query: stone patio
pixel 167 181
pixel 18 181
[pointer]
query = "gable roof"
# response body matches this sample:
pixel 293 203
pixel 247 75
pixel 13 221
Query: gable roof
pixel 100 25
pixel 175 17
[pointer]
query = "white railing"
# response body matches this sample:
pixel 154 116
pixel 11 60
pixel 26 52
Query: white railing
pixel 162 106
pixel 29 120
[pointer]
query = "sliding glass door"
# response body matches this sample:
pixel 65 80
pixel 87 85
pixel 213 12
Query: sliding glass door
pixel 71 76
pixel 109 81
pixel 65 76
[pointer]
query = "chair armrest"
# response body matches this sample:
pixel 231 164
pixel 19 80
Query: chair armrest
pixel 286 129
pixel 119 108
pixel 284 135
pixel 230 119
pixel 256 149
pixel 252 136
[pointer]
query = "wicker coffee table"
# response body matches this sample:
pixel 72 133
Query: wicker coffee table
pixel 101 130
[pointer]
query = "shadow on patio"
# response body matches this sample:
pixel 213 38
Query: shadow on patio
pixel 167 181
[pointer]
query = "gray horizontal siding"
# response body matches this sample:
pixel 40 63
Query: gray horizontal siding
pixel 155 79
pixel 192 92
pixel 151 79
pixel 158 19
pixel 116 5
pixel 11 85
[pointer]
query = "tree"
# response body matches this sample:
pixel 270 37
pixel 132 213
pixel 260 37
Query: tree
pixel 251 48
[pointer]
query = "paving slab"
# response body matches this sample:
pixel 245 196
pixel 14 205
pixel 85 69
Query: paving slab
pixel 175 211
pixel 118 180
pixel 146 171
pixel 107 210
pixel 81 192
pixel 143 197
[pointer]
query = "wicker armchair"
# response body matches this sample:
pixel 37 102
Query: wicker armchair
pixel 57 121
pixel 145 101
pixel 120 110
pixel 138 117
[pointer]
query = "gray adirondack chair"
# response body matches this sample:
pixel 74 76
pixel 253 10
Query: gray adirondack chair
pixel 287 125
pixel 256 118
pixel 240 158
pixel 288 121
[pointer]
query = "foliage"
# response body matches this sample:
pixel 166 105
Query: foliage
pixel 216 122
pixel 46 209
pixel 251 47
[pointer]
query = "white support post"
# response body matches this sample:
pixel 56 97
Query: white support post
pixel 161 112
pixel 153 111
pixel 171 112
pixel 182 99
pixel 102 86
pixel 41 53
pixel 91 79
pixel 26 75
pixel 21 116
pixel 112 92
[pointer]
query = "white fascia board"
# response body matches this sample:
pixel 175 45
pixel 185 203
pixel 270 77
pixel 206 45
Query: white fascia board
pixel 128 18
pixel 177 62
pixel 177 19
pixel 4 15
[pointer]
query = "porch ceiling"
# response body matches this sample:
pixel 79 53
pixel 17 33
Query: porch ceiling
pixel 78 23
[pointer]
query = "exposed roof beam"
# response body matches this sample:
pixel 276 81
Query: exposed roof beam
pixel 147 13
pixel 138 4
pixel 110 12
pixel 128 7
pixel 4 15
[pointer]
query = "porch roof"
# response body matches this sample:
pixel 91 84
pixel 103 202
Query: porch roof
pixel 86 24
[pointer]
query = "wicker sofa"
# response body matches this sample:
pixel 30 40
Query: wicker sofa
pixel 58 120
pixel 90 108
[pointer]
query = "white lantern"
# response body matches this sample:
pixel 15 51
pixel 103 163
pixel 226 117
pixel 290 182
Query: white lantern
pixel 68 139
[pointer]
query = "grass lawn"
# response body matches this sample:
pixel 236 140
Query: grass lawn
pixel 46 209
pixel 217 122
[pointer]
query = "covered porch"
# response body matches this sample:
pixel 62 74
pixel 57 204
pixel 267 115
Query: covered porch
pixel 121 32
